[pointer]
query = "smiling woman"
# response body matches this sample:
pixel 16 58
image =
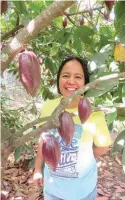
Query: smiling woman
pixel 75 177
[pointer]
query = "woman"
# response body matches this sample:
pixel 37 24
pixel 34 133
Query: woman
pixel 76 175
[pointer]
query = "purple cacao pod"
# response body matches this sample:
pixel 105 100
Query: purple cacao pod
pixel 51 151
pixel 84 109
pixel 106 15
pixel 67 127
pixel 109 4
pixel 4 6
pixel 81 20
pixel 64 21
pixel 29 71
pixel 3 197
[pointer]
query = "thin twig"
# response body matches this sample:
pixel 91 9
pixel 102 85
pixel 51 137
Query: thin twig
pixel 6 35
pixel 85 11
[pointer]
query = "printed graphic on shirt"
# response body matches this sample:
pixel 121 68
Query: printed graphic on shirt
pixel 67 167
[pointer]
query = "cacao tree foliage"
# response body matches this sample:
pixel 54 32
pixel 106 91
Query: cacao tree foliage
pixel 88 33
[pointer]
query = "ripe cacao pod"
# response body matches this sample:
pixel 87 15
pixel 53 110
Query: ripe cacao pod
pixel 81 20
pixel 29 71
pixel 3 197
pixel 4 6
pixel 67 127
pixel 109 4
pixel 84 109
pixel 51 151
pixel 64 21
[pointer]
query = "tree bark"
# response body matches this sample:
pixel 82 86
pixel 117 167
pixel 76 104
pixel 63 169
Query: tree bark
pixel 31 30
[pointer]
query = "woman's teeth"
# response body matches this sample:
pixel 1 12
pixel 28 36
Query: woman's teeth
pixel 71 89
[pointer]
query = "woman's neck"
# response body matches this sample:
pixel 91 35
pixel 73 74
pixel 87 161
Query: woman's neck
pixel 74 103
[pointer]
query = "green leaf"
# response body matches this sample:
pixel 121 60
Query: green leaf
pixel 17 152
pixel 50 64
pixel 123 93
pixel 20 6
pixel 123 157
pixel 77 44
pixel 111 117
pixel 119 143
pixel 99 59
pixel 106 31
pixel 120 22
pixel 121 35
pixel 119 9
pixel 84 33
pixel 106 86
pixel 28 148
pixel 35 6
pixel 62 36
pixel 55 49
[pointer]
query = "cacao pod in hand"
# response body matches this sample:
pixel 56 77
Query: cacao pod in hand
pixel 51 151
pixel 109 4
pixel 84 109
pixel 67 127
pixel 29 71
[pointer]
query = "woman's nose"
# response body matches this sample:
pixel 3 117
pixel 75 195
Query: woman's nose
pixel 71 80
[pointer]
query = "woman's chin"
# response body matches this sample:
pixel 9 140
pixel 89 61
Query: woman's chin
pixel 69 93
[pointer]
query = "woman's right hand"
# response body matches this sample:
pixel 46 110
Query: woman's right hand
pixel 38 179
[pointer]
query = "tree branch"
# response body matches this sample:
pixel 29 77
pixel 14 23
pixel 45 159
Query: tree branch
pixel 6 35
pixel 85 11
pixel 30 125
pixel 31 30
pixel 53 119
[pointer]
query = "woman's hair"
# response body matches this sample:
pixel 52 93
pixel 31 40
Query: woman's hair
pixel 84 68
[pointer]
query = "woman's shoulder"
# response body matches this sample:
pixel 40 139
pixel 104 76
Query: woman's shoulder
pixel 50 105
pixel 51 102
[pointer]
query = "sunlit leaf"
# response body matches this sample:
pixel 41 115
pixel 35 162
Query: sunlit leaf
pixel 104 86
pixel 111 117
pixel 119 53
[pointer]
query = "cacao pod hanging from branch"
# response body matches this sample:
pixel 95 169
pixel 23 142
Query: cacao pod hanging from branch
pixel 84 109
pixel 64 21
pixel 81 20
pixel 51 151
pixel 29 71
pixel 4 6
pixel 109 4
pixel 67 127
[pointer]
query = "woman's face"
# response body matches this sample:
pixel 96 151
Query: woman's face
pixel 71 78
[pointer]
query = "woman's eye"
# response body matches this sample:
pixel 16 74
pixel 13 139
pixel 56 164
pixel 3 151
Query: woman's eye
pixel 65 76
pixel 78 77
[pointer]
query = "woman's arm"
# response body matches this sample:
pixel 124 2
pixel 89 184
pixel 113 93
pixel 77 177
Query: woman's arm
pixel 99 151
pixel 37 177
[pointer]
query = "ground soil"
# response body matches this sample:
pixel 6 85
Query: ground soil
pixel 18 185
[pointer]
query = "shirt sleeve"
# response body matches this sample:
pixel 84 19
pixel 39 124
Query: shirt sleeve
pixel 102 136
